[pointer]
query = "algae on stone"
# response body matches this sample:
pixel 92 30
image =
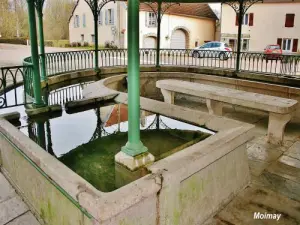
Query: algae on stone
pixel 94 161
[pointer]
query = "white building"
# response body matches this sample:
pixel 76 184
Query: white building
pixel 270 22
pixel 182 26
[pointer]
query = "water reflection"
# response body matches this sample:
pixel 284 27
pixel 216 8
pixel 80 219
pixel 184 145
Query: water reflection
pixel 65 132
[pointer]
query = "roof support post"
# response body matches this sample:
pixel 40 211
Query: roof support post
pixel 159 9
pixel 240 7
pixel 239 38
pixel 95 14
pixel 134 154
pixel 158 33
pixel 39 8
pixel 134 145
pixel 34 55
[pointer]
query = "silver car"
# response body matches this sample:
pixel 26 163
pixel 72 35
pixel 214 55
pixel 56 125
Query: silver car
pixel 213 49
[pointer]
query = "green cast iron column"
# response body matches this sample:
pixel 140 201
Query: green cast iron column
pixel 134 145
pixel 42 43
pixel 96 35
pixel 41 134
pixel 158 33
pixel 34 55
pixel 240 18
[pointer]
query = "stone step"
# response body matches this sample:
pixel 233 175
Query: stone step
pixel 282 178
pixel 255 199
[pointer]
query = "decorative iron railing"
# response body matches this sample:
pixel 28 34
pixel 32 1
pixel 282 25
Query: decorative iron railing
pixel 14 83
pixel 62 62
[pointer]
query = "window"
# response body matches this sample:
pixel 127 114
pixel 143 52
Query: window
pixel 245 44
pixel 109 17
pixel 76 21
pixel 247 19
pixel 83 20
pixel 288 44
pixel 151 19
pixel 289 20
pixel 82 38
pixel 273 47
pixel 93 38
pixel 207 45
pixel 100 22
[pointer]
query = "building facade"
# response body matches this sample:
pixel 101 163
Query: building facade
pixel 184 26
pixel 264 24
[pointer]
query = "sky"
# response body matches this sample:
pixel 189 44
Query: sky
pixel 216 6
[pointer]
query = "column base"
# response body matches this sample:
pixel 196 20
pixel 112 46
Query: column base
pixel 134 162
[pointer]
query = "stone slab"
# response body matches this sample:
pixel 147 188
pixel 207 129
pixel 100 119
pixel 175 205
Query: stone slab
pixel 294 151
pixel 88 101
pixel 11 116
pixel 290 161
pixel 43 110
pixel 263 152
pixel 11 209
pixel 281 178
pixel 255 199
pixel 6 190
pixel 25 219
pixel 257 167
pixel 232 96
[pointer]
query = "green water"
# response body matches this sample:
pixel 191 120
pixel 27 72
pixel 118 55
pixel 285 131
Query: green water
pixel 94 161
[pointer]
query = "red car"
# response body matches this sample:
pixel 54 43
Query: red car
pixel 272 52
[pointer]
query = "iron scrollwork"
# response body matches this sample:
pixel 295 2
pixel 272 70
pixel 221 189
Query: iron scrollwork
pixel 246 4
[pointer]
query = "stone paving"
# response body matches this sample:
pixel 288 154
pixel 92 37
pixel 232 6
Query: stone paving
pixel 13 211
pixel 275 172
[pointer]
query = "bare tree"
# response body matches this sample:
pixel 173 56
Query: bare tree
pixel 13 18
pixel 57 13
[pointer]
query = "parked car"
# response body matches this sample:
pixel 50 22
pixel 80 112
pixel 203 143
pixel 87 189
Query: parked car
pixel 213 49
pixel 272 52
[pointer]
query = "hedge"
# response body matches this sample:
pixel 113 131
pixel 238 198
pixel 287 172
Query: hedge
pixel 18 41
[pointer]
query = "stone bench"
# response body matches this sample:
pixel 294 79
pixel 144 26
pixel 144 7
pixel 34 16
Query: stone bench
pixel 280 109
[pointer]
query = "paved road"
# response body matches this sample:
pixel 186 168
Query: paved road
pixel 13 55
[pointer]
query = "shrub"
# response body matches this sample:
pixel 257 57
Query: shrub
pixel 49 43
pixel 18 41
pixel 85 44
pixel 110 45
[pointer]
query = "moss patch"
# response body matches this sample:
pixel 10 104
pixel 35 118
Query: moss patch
pixel 94 161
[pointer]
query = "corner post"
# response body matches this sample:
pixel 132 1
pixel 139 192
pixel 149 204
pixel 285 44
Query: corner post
pixel 158 33
pixel 95 13
pixel 34 55
pixel 39 9
pixel 240 19
pixel 134 154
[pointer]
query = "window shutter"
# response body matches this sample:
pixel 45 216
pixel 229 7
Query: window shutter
pixel 83 20
pixel 289 20
pixel 295 45
pixel 112 17
pixel 99 18
pixel 106 19
pixel 251 19
pixel 279 41
pixel 74 22
pixel 146 19
pixel 237 19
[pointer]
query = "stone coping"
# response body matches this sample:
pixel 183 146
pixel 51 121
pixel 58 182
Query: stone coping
pixel 254 78
pixel 103 206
